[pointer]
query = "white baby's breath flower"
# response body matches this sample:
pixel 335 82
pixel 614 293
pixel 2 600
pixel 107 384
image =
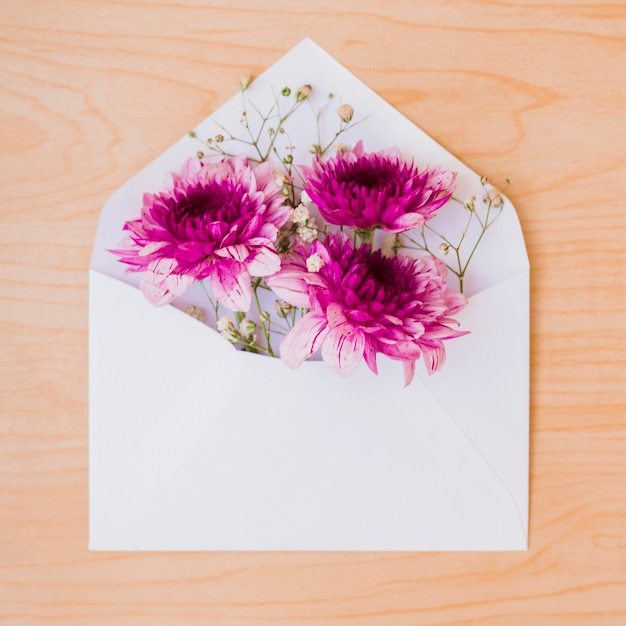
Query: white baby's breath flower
pixel 345 112
pixel 247 327
pixel 224 323
pixel 307 232
pixel 300 215
pixel 305 198
pixel 314 263
pixel 227 329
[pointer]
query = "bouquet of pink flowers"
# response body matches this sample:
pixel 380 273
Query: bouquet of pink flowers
pixel 332 256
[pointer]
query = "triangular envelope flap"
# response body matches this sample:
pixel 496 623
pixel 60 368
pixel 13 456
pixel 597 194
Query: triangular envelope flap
pixel 484 383
pixel 250 455
pixel 380 126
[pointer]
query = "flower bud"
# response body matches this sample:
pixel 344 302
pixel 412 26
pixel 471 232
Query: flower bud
pixel 282 308
pixel 195 311
pixel 247 327
pixel 444 248
pixel 227 329
pixel 244 81
pixel 224 323
pixel 303 93
pixel 286 91
pixel 345 113
pixel 469 204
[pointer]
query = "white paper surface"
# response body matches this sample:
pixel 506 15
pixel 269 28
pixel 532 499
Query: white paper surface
pixel 195 446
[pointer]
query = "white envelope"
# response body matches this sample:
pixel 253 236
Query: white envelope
pixel 196 446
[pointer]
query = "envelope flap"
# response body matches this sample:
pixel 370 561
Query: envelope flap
pixel 380 126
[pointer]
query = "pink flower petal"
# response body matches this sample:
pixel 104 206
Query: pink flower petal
pixel 303 340
pixel 231 285
pixel 292 284
pixel 369 354
pixel 434 358
pixel 237 252
pixel 161 284
pixel 342 353
pixel 409 372
pixel 265 262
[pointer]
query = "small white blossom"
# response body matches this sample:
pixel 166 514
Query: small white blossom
pixel 314 263
pixel 224 323
pixel 345 113
pixel 227 329
pixel 305 198
pixel 300 215
pixel 307 232
pixel 247 327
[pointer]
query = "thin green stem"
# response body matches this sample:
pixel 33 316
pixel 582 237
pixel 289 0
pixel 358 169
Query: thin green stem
pixel 264 327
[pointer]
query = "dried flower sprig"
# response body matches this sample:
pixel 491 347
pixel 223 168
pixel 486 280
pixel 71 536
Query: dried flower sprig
pixel 483 211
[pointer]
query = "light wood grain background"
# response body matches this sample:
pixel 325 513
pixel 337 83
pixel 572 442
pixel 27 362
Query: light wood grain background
pixel 536 91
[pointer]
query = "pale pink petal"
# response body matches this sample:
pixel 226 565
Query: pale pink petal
pixel 153 246
pixel 405 222
pixel 369 354
pixel 342 353
pixel 190 168
pixel 303 340
pixel 409 372
pixel 231 285
pixel 292 284
pixel 265 262
pixel 160 284
pixel 238 252
pixel 434 358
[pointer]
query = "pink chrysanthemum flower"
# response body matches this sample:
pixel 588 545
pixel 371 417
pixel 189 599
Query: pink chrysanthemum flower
pixel 216 221
pixel 363 303
pixel 376 190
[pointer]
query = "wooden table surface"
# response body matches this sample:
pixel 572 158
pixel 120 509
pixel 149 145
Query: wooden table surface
pixel 535 91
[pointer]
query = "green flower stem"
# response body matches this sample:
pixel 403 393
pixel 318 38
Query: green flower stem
pixel 215 305
pixel 264 327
